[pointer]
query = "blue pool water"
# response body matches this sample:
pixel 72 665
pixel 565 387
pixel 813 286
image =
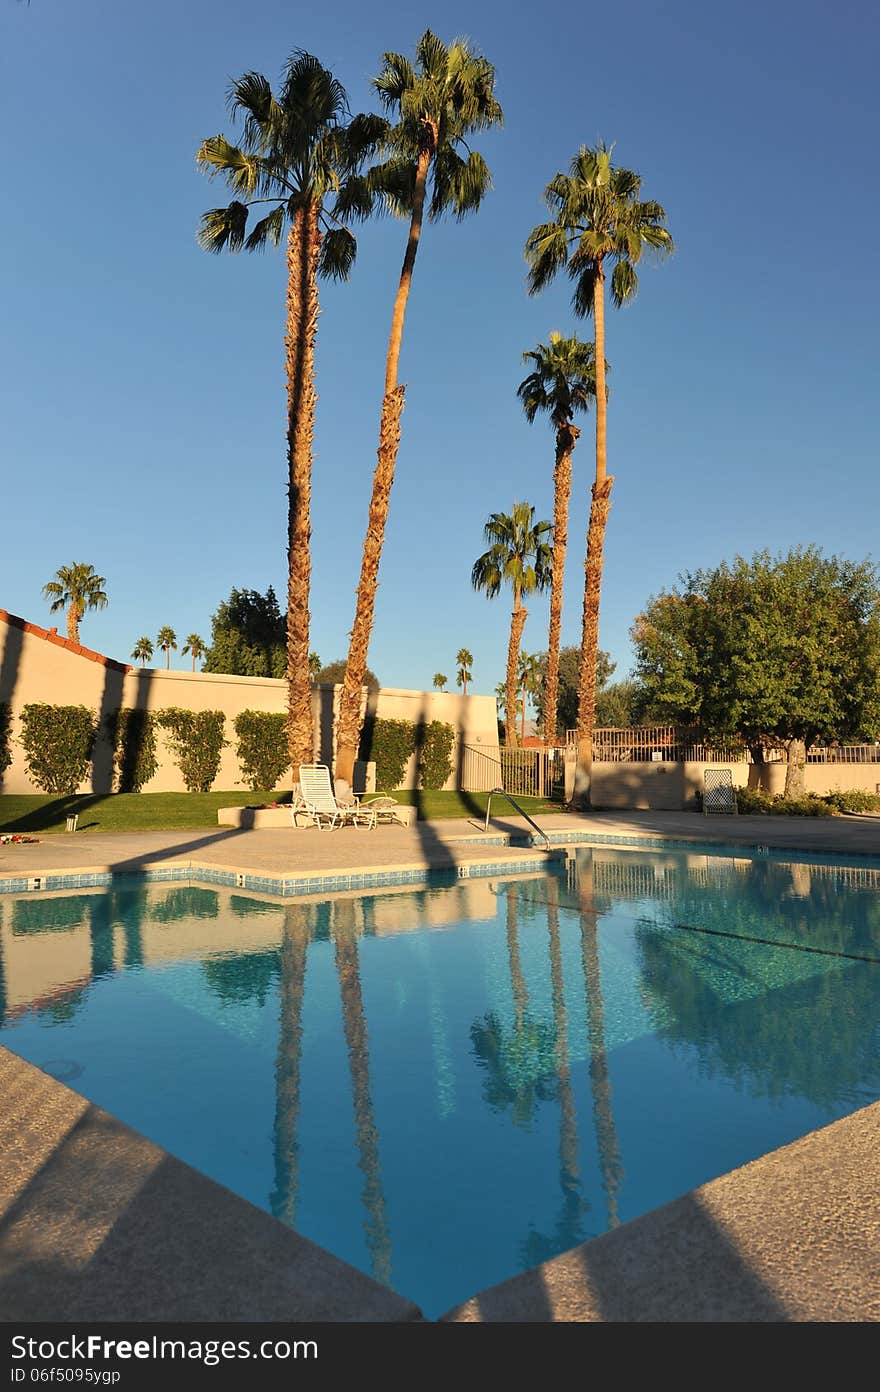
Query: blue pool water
pixel 446 1086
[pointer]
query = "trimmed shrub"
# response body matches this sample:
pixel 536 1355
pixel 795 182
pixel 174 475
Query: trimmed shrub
pixel 435 755
pixel 390 743
pixel 133 736
pixel 196 741
pixel 5 737
pixel 57 743
pixel 853 800
pixel 752 800
pixel 261 747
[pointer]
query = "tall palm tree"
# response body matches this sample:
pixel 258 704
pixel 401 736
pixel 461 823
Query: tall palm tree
pixel 519 554
pixel 75 588
pixel 440 680
pixel 166 639
pixel 530 672
pixel 196 647
pixel 562 382
pixel 142 651
pixel 600 223
pixel 437 105
pixel 295 151
pixel 464 674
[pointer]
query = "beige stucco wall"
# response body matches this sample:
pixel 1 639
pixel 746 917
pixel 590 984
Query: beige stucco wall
pixel 33 669
pixel 672 787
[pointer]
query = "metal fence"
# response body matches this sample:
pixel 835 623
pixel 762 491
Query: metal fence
pixel 523 772
pixel 675 743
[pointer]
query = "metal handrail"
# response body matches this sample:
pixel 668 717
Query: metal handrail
pixel 519 809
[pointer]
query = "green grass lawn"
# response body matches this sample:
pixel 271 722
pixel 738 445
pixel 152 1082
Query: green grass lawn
pixel 170 811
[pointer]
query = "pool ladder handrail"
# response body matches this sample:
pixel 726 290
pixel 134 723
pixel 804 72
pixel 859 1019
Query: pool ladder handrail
pixel 520 810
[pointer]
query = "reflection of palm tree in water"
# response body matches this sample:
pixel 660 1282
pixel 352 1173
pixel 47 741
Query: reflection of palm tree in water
pixel 517 980
pixel 600 1081
pixel 294 946
pixel 354 1022
pixel 569 1169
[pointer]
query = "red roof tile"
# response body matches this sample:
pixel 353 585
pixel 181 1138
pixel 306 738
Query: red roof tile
pixel 51 635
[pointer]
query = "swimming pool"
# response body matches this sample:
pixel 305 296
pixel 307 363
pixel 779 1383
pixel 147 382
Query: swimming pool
pixel 447 1085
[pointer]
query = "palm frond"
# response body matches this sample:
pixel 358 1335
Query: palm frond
pixel 250 98
pixel 458 184
pixel 338 252
pixel 432 55
pixel 355 199
pixel 397 76
pixel 223 228
pixel 244 173
pixel 546 253
pixel 624 282
pixel 268 229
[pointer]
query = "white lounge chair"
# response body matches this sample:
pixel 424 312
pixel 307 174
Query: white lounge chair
pixel 319 802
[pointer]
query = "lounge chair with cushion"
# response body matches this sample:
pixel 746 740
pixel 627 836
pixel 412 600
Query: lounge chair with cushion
pixel 319 801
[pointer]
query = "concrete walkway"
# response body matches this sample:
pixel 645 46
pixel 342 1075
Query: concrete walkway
pixel 441 844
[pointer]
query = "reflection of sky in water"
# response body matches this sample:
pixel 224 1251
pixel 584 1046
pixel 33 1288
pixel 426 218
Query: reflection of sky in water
pixel 440 1103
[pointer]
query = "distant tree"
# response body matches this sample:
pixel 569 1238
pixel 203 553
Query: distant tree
pixel 166 639
pixel 248 636
pixel 521 556
pixel 464 674
pixel 195 646
pixel 779 650
pixel 75 588
pixel 569 670
pixel 440 680
pixel 334 673
pixel 142 651
pixel 315 665
pixel 532 667
pixel 620 704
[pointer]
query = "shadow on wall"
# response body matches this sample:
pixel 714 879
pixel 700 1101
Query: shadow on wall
pixel 9 667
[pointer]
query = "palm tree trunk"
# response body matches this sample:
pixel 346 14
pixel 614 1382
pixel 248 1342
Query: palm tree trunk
pixel 517 624
pixel 600 1079
pixel 599 509
pixel 522 717
pixel 349 726
pixel 303 249
pixel 73 618
pixel 566 438
pixel 168 657
pixel 194 661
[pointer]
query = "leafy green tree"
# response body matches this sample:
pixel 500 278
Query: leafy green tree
pixel 248 636
pixel 142 651
pixel 166 639
pixel 569 669
pixel 521 556
pixel 440 680
pixel 295 150
pixel 619 704
pixel 437 105
pixel 599 222
pixel 195 646
pixel 75 588
pixel 334 672
pixel 464 674
pixel 562 382
pixel 779 650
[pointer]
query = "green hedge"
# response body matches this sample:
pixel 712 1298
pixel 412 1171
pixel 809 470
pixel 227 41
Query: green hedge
pixel 5 737
pixel 197 740
pixel 435 754
pixel 133 736
pixel 57 743
pixel 261 747
pixel 853 800
pixel 752 800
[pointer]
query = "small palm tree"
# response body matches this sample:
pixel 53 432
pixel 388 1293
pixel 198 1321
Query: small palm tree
pixel 75 588
pixel 440 680
pixel 464 674
pixel 315 665
pixel 166 639
pixel 295 151
pixel 196 647
pixel 142 651
pixel 438 104
pixel 531 672
pixel 600 222
pixel 562 382
pixel 519 554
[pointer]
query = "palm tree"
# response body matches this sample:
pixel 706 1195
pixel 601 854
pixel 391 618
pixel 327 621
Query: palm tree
pixel 196 647
pixel 600 222
pixel 142 651
pixel 315 665
pixel 530 673
pixel 521 555
pixel 75 588
pixel 440 680
pixel 464 674
pixel 166 639
pixel 438 104
pixel 295 150
pixel 562 381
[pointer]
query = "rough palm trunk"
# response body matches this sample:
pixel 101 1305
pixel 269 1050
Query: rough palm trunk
pixel 294 946
pixel 795 786
pixel 303 249
pixel 599 509
pixel 73 618
pixel 517 624
pixel 349 726
pixel 566 438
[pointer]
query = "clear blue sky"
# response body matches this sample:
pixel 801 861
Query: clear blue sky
pixel 142 407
